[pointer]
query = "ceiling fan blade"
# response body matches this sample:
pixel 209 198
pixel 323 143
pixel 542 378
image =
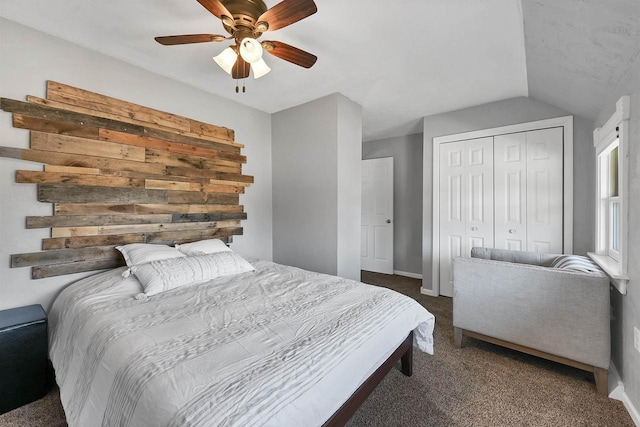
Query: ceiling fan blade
pixel 240 69
pixel 218 9
pixel 189 38
pixel 290 53
pixel 287 12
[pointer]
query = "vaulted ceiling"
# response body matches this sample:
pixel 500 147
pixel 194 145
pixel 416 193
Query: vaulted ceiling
pixel 400 59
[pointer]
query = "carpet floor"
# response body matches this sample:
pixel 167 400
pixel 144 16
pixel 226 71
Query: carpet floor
pixel 480 384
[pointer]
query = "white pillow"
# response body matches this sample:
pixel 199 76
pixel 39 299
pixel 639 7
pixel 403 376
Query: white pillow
pixel 142 253
pixel 163 275
pixel 203 247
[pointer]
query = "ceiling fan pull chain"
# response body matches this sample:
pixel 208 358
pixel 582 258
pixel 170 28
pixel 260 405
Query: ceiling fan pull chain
pixel 237 90
pixel 244 89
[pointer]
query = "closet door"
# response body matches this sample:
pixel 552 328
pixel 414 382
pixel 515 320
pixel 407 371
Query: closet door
pixel 545 190
pixel 479 195
pixel 528 191
pixel 510 162
pixel 466 202
pixel 452 211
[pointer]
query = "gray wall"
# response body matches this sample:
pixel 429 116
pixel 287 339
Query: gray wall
pixel 503 113
pixel 626 308
pixel 407 197
pixel 316 151
pixel 28 59
pixel 349 187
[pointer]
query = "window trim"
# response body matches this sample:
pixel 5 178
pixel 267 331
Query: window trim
pixel 615 130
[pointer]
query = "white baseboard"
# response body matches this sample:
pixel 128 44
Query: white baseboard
pixel 425 291
pixel 407 274
pixel 616 387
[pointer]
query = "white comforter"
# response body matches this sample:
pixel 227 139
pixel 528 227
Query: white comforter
pixel 279 346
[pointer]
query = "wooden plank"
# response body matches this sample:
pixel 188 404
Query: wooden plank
pixel 52 126
pixel 95 209
pixel 74 145
pixel 190 138
pixel 155 184
pixel 232 183
pixel 87 241
pixel 95 101
pixel 167 237
pixel 102 163
pixel 75 267
pixel 63 256
pixel 207 173
pixel 91 220
pixel 43 109
pixel 110 209
pixel 11 152
pixel 66 193
pixel 138 228
pixel 174 182
pixel 174 147
pixel 215 188
pixel 37 177
pixel 184 160
pixel 192 186
pixel 71 169
pixel 209 217
pixel 193 209
pixel 201 128
pixel 172 237
pixel 147 175
pixel 194 198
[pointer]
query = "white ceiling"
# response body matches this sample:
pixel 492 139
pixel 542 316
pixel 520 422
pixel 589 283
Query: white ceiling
pixel 580 50
pixel 400 59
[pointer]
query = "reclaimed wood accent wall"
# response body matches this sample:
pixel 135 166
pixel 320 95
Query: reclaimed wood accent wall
pixel 119 173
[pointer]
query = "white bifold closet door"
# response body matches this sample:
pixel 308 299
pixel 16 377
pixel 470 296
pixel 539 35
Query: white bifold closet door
pixel 466 202
pixel 503 191
pixel 528 191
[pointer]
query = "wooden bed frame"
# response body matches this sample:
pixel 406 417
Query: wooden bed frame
pixel 404 353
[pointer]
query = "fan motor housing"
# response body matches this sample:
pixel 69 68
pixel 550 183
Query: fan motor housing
pixel 245 13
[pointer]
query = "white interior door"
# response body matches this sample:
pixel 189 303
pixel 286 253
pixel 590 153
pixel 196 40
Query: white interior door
pixel 377 215
pixel 466 203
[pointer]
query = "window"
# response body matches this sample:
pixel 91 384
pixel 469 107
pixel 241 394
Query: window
pixel 610 198
pixel 611 195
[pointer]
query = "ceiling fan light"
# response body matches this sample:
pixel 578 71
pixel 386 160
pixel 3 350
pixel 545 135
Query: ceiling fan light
pixel 227 59
pixel 251 50
pixel 260 68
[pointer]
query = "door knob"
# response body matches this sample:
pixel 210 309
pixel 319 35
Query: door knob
pixel 512 230
pixel 388 221
pixel 474 228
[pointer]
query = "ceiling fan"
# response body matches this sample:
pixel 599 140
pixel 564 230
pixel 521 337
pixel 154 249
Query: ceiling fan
pixel 245 21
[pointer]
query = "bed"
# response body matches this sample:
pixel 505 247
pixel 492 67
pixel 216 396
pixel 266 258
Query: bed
pixel 274 346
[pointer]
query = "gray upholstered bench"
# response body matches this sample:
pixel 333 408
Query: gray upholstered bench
pixel 521 301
